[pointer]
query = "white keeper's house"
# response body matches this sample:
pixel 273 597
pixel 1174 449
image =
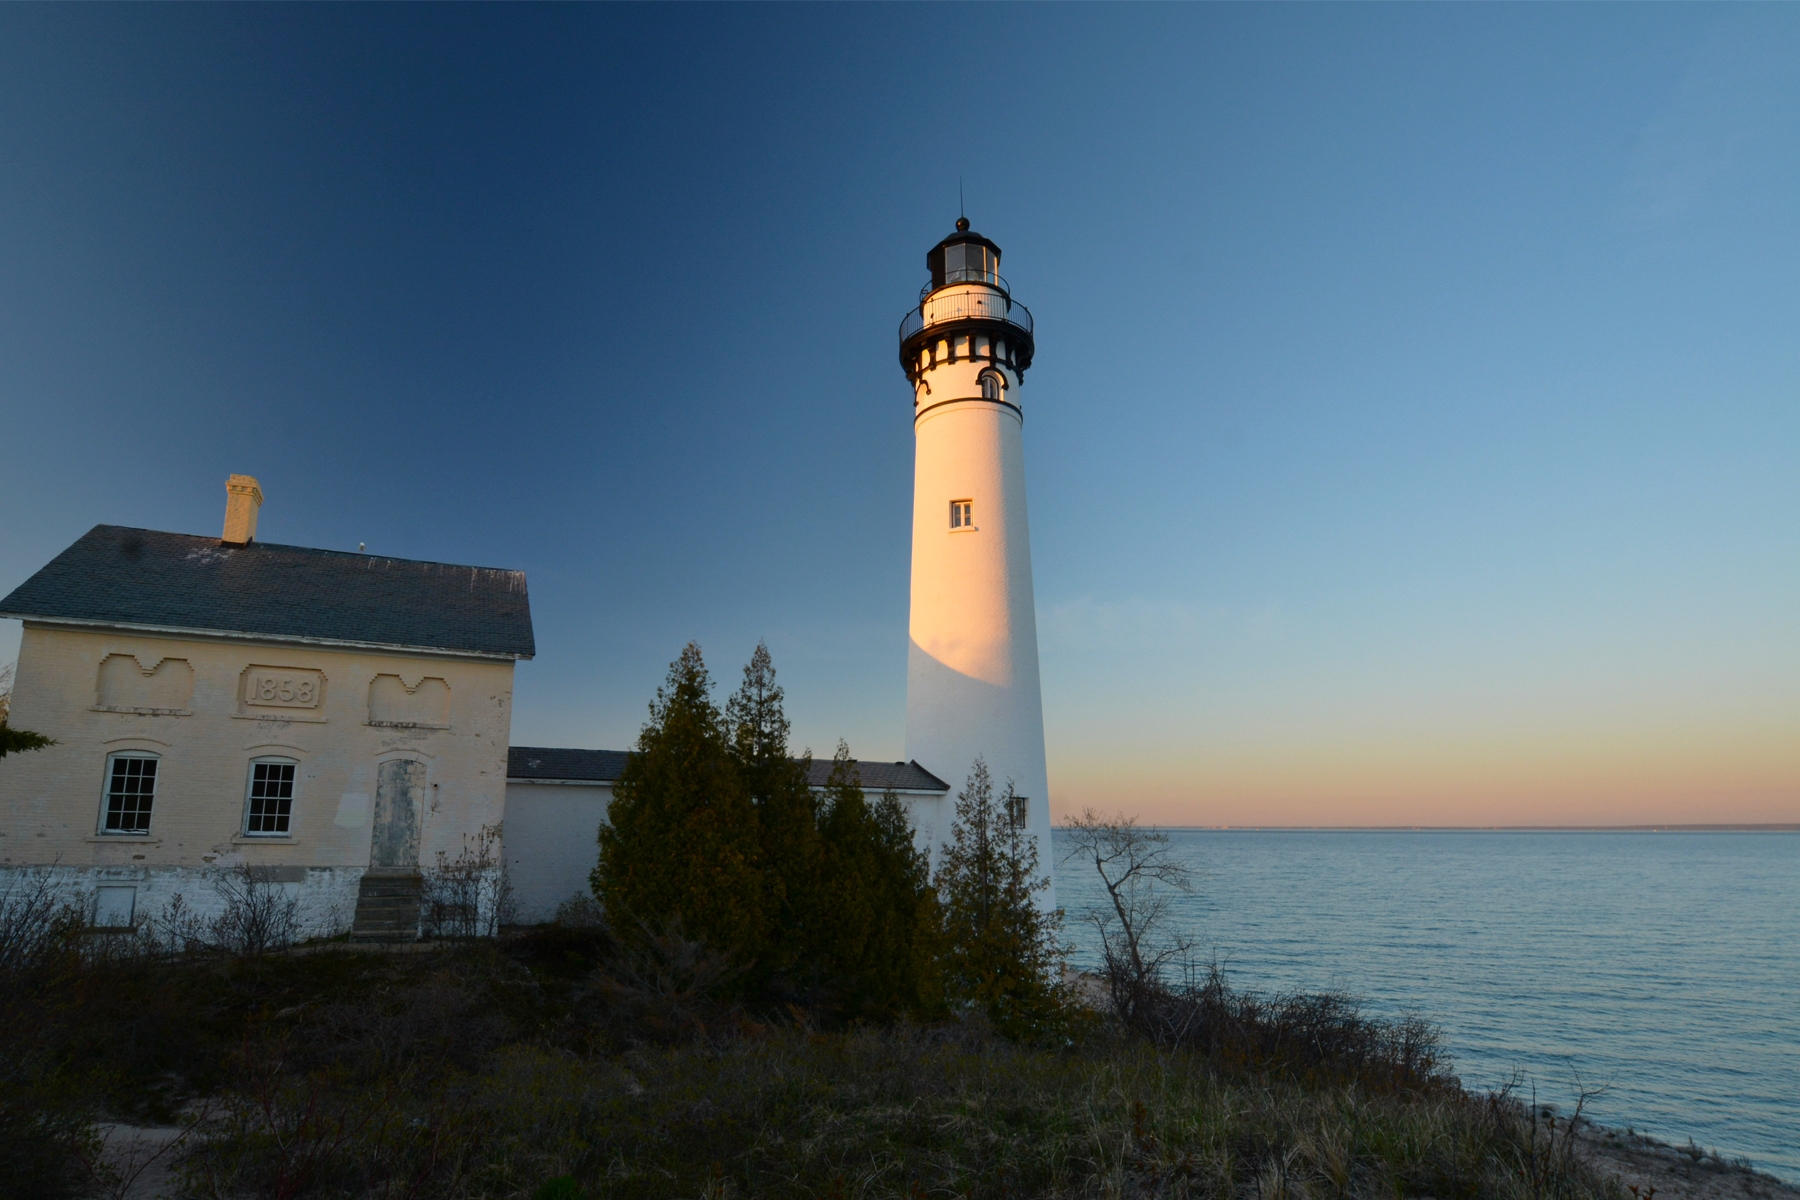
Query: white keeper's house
pixel 337 721
pixel 217 701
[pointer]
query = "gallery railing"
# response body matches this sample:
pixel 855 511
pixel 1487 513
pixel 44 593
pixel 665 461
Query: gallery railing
pixel 939 308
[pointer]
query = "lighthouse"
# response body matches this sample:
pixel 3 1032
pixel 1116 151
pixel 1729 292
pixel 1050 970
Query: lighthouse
pixel 972 667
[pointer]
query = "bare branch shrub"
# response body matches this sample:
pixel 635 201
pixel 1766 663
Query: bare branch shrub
pixel 1136 867
pixel 469 896
pixel 580 912
pixel 1544 1143
pixel 1304 1035
pixel 37 924
pixel 177 929
pixel 259 915
pixel 664 982
pixel 46 1121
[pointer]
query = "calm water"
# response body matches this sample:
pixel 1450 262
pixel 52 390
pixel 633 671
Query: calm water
pixel 1665 963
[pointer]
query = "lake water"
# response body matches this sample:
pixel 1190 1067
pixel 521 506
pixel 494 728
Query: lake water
pixel 1665 964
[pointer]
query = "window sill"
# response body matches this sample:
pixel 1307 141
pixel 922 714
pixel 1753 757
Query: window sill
pixel 142 712
pixel 256 839
pixel 124 839
pixel 967 529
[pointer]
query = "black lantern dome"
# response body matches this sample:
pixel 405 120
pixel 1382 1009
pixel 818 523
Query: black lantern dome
pixel 966 294
pixel 964 257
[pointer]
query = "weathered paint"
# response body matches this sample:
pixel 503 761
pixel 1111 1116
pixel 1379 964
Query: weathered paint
pixel 207 708
pixel 399 805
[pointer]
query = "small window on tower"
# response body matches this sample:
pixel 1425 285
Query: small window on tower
pixel 990 385
pixel 1017 810
pixel 962 514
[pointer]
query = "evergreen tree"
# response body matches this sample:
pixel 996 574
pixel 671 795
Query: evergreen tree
pixel 876 933
pixel 681 839
pixel 15 741
pixel 1004 954
pixel 787 832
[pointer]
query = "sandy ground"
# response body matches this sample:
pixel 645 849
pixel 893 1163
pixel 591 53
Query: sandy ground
pixel 1675 1172
pixel 142 1156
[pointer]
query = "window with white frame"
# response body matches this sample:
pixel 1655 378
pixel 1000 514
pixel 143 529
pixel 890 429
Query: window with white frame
pixel 270 805
pixel 962 514
pixel 130 791
pixel 991 385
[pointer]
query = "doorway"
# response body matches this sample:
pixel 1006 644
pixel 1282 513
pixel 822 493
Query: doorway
pixel 399 804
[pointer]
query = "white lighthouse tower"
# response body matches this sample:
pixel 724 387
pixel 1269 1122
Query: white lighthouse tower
pixel 972 668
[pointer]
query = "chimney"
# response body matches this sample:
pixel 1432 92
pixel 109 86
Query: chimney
pixel 243 497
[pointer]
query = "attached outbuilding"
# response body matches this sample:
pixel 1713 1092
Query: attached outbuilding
pixel 557 799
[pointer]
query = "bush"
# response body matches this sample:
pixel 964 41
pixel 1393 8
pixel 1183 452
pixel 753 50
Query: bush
pixel 471 895
pixel 1003 955
pixel 715 833
pixel 681 837
pixel 788 846
pixel 876 928
pixel 47 1111
pixel 259 916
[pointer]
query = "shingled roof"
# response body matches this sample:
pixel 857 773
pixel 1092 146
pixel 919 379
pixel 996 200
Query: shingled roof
pixel 141 578
pixel 880 776
pixel 605 766
pixel 546 762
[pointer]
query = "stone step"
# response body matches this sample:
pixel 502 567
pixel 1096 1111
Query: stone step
pixel 392 887
pixel 387 906
pixel 411 898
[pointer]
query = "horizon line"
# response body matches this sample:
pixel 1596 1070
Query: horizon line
pixel 1774 827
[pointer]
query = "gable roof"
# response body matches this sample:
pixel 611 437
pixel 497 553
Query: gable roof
pixel 605 766
pixel 142 578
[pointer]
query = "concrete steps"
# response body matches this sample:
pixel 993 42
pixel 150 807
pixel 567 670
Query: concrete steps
pixel 387 906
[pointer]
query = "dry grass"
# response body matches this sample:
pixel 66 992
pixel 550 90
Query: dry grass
pixel 492 1070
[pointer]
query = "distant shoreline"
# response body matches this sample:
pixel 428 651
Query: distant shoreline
pixel 1792 827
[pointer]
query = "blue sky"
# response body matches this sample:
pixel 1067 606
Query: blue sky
pixel 1410 438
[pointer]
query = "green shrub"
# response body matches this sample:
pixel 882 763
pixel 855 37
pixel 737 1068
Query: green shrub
pixel 1003 954
pixel 681 838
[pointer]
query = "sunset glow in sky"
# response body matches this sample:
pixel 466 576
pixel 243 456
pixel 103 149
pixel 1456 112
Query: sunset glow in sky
pixel 1411 438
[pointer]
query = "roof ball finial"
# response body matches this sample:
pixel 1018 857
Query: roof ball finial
pixel 962 224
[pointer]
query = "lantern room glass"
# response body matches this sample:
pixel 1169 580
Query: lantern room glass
pixel 970 262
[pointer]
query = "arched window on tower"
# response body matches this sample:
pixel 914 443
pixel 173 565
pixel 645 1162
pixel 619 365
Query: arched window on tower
pixel 992 386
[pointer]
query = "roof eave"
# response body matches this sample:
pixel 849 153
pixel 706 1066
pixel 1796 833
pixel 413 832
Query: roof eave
pixel 278 638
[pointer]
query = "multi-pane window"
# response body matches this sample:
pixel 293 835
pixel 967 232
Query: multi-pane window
pixel 1015 811
pixel 130 789
pixel 962 514
pixel 271 802
pixel 990 385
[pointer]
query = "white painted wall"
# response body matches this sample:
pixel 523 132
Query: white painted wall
pixel 140 894
pixel 972 685
pixel 551 842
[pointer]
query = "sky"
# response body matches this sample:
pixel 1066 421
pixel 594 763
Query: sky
pixel 1410 439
